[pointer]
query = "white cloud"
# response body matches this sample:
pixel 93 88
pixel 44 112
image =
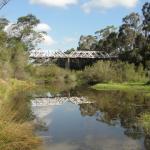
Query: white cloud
pixel 55 3
pixel 43 27
pixel 48 40
pixel 107 4
pixel 69 40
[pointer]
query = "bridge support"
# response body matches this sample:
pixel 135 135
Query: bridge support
pixel 67 64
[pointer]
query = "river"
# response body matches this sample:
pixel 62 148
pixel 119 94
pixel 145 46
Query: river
pixel 86 119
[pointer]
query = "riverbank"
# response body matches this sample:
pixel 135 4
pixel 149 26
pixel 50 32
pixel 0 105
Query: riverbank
pixel 16 128
pixel 144 119
pixel 123 87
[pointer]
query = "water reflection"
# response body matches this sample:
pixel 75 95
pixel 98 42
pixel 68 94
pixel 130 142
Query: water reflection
pixel 108 122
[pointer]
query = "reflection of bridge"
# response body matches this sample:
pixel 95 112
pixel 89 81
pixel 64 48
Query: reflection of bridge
pixel 42 102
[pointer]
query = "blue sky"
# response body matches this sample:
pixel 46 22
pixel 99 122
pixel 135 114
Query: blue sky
pixel 66 20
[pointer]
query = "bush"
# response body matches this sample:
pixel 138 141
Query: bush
pixel 53 73
pixel 106 71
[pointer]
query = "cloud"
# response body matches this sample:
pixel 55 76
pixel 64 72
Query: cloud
pixel 48 40
pixel 55 3
pixel 68 40
pixel 43 27
pixel 107 4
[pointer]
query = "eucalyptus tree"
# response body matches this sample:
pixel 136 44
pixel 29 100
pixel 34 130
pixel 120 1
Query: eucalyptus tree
pixel 133 20
pixel 106 39
pixel 3 23
pixel 24 30
pixel 146 21
pixel 87 42
pixel 146 28
pixel 104 33
pixel 128 31
pixel 126 38
pixel 16 40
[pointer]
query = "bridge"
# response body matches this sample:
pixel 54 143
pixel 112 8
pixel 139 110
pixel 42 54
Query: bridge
pixel 53 101
pixel 75 54
pixel 44 57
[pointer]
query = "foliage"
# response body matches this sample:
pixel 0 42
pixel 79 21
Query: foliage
pixel 131 42
pixel 15 43
pixel 112 72
pixel 87 42
pixel 53 73
pixel 24 31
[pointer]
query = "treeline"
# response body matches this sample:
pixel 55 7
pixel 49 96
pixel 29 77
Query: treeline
pixel 131 41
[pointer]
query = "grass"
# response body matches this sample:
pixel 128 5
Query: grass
pixel 15 135
pixel 122 87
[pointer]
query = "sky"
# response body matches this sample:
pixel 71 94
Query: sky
pixel 66 20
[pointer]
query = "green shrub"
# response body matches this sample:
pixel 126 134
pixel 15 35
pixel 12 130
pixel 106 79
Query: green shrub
pixel 107 71
pixel 53 73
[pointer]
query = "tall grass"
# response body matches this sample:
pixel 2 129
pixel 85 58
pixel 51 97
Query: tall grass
pixel 16 131
pixel 15 136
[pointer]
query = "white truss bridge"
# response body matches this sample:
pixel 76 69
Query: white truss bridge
pixel 75 54
pixel 52 101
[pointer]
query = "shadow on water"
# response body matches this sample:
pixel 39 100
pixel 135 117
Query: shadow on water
pixel 108 122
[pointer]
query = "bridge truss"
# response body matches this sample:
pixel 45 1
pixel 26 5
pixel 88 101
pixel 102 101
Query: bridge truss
pixel 3 3
pixel 73 55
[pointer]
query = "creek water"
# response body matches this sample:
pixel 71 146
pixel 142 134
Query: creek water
pixel 86 119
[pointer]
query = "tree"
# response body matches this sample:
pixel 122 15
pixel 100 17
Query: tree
pixel 69 51
pixel 104 33
pixel 133 20
pixel 146 21
pixel 111 43
pixel 126 37
pixel 87 42
pixel 24 31
pixel 15 45
pixel 3 23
